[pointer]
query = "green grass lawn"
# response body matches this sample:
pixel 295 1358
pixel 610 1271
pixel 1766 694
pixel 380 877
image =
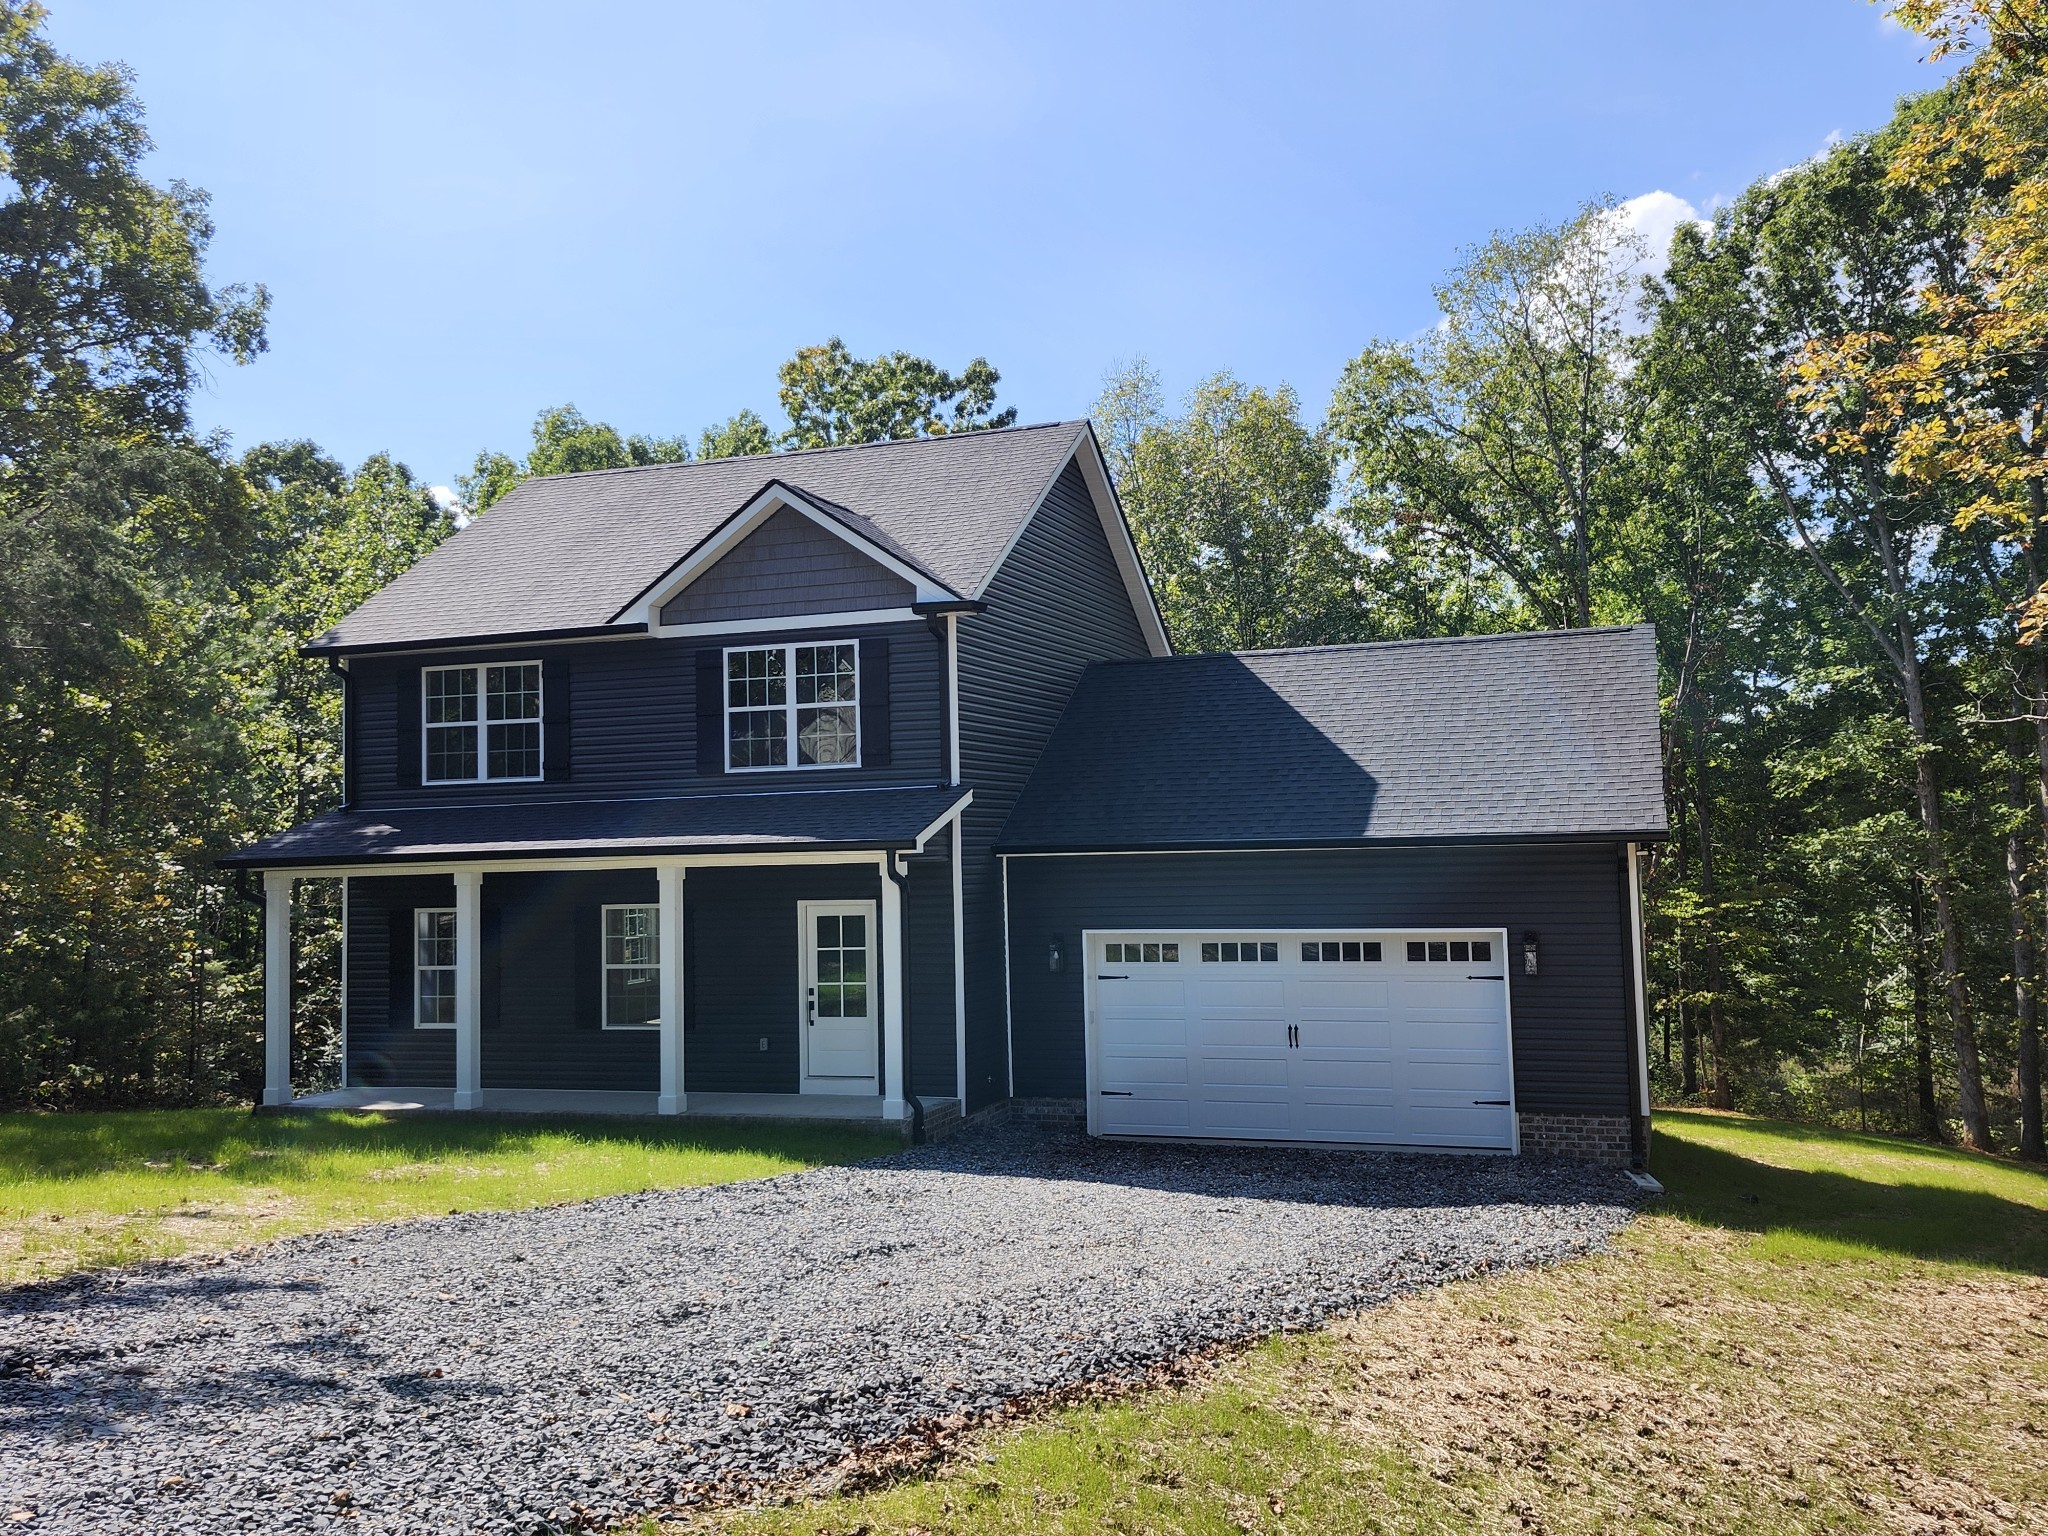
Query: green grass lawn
pixel 82 1191
pixel 1816 1332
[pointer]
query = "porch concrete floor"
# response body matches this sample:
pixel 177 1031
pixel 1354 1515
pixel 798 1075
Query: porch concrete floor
pixel 553 1101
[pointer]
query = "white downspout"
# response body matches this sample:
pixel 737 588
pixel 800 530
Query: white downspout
pixel 1635 905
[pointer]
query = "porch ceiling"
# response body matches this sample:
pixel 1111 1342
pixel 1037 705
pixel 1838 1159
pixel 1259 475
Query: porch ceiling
pixel 807 821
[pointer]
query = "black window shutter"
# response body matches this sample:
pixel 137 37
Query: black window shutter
pixel 555 728
pixel 408 733
pixel 587 945
pixel 401 958
pixel 874 704
pixel 351 742
pixel 491 972
pixel 711 711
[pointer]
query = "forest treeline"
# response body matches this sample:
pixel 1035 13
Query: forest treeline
pixel 1805 442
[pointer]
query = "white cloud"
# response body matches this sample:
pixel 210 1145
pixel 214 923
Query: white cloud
pixel 450 504
pixel 1654 218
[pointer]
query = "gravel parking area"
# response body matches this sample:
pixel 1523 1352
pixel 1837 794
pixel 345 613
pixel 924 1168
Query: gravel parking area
pixel 518 1372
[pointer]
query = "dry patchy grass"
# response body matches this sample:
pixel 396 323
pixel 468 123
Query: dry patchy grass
pixel 1817 1334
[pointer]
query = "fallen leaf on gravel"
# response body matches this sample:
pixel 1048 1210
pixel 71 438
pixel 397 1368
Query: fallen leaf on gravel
pixel 738 1410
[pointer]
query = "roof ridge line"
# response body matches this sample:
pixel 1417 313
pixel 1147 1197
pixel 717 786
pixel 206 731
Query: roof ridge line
pixel 779 455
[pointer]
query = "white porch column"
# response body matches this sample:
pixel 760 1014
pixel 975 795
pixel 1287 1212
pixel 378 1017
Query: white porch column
pixel 669 941
pixel 469 971
pixel 895 976
pixel 277 987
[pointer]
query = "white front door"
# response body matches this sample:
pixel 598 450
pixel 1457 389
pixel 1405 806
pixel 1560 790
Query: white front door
pixel 1389 1037
pixel 838 1019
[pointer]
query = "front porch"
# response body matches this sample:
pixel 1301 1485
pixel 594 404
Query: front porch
pixel 821 988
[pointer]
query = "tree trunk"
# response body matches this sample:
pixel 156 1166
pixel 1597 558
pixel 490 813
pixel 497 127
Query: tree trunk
pixel 1717 1022
pixel 1969 1074
pixel 2029 1066
pixel 2026 1011
pixel 1923 1035
pixel 1688 1033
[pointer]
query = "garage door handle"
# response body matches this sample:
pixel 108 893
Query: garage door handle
pixel 1486 978
pixel 1112 978
pixel 1503 1103
pixel 1116 1093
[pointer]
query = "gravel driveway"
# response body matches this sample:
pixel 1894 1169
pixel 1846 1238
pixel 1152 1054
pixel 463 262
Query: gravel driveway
pixel 522 1371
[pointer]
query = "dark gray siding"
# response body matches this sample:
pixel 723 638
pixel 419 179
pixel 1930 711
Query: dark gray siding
pixel 742 977
pixel 383 1047
pixel 928 935
pixel 741 980
pixel 633 724
pixel 788 565
pixel 1057 603
pixel 1571 1022
pixel 535 1034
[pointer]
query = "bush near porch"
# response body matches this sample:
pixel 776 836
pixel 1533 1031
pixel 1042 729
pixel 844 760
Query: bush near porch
pixel 1816 1332
pixel 84 1191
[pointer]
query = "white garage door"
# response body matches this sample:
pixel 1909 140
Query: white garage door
pixel 1387 1037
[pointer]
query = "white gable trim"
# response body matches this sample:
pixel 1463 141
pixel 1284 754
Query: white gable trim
pixel 646 608
pixel 1137 586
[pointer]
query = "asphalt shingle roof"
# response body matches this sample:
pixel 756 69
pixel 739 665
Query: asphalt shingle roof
pixel 1499 736
pixel 570 551
pixel 806 820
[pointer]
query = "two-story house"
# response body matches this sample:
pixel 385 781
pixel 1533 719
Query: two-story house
pixel 862 783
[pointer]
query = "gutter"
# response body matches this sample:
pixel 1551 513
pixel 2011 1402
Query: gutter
pixel 478 642
pixel 1317 844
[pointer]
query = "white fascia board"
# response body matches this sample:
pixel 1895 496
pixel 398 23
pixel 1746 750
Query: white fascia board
pixel 787 623
pixel 646 609
pixel 943 818
pixel 1109 511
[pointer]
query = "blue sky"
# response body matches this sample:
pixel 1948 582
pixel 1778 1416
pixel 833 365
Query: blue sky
pixel 466 212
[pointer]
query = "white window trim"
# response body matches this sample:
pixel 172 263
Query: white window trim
pixel 789 705
pixel 478 726
pixel 605 966
pixel 417 914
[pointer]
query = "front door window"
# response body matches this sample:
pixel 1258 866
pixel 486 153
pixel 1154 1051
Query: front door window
pixel 839 995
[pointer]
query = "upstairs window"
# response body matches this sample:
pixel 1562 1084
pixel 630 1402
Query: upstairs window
pixel 792 706
pixel 481 722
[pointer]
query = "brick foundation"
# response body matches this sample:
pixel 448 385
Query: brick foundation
pixel 940 1121
pixel 1602 1139
pixel 1067 1117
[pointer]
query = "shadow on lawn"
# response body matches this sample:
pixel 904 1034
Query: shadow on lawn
pixel 1921 1220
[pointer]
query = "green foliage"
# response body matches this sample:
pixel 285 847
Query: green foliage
pixel 1504 433
pixel 1229 503
pixel 833 397
pixel 739 436
pixel 564 443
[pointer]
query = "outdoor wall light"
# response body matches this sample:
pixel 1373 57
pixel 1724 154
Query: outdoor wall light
pixel 1528 954
pixel 1056 953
